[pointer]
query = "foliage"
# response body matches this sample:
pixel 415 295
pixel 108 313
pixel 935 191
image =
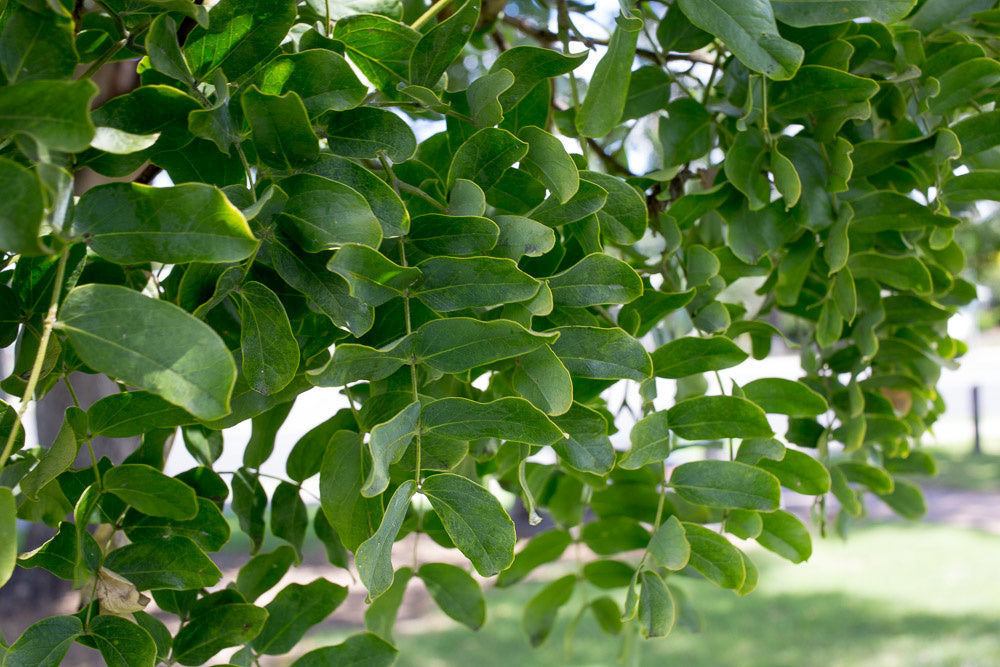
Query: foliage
pixel 735 167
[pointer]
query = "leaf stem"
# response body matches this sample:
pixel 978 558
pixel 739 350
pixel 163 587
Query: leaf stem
pixel 433 11
pixel 90 447
pixel 103 60
pixel 43 344
pixel 413 360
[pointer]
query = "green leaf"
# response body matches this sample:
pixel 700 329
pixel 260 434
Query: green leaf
pixel 876 479
pixel 964 82
pixel 972 187
pixel 270 352
pixel 657 609
pixel 522 236
pixel 323 214
pixel 186 362
pixel 650 442
pixel 23 211
pixel 799 472
pixel 541 377
pixel 440 45
pixel 540 613
pixel 589 199
pixel 323 80
pixel 440 234
pixel 785 535
pixel 604 102
pixel 474 520
pixel 748 29
pixel 807 13
pixel 485 156
pixel 975 132
pixel 505 418
pixel 131 413
pixel 531 65
pixel 364 132
pixel 36 45
pixel 904 272
pixel 281 131
pixel 745 167
pixel 56 459
pixel 685 133
pixel 883 211
pixel 483 94
pixel 373 277
pixel 541 549
pixel 117 142
pixel 548 161
pixel 217 628
pixel 162 639
pixel 597 279
pixel 607 354
pixel 669 545
pixel 905 500
pixel 295 609
pixel 649 91
pixel 289 519
pixel 361 649
pixel 456 344
pixel 467 199
pixel 380 617
pixel 327 290
pixel 249 504
pixel 121 642
pixel 713 556
pixel 62 125
pixel 175 562
pixel 128 223
pixel 374 557
pixel 45 643
pixel 614 535
pixel 383 201
pixel 239 35
pixel 259 574
pixel 816 88
pixel 163 50
pixel 687 356
pixel 777 395
pixel 455 592
pixel 343 472
pixel 380 47
pixel 786 178
pixel 388 442
pixel 726 484
pixel 8 534
pixel 711 417
pixel 623 217
pixel 453 283
pixel 586 445
pixel 351 363
pixel 209 529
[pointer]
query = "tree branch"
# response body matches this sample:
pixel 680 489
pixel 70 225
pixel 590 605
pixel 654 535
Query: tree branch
pixel 548 37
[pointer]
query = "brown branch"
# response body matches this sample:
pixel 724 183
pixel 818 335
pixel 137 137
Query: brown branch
pixel 548 37
pixel 148 174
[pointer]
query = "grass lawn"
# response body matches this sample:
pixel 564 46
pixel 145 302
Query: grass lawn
pixel 960 470
pixel 892 595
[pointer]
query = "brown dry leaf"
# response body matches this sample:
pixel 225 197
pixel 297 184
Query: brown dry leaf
pixel 118 595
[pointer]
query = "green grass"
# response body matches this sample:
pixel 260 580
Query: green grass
pixel 892 595
pixel 966 471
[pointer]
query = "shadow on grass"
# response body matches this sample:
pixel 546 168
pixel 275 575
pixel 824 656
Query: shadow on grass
pixel 822 629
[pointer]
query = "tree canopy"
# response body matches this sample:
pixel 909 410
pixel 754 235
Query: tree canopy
pixel 513 234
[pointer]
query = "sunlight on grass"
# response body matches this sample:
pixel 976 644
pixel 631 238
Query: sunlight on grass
pixel 893 595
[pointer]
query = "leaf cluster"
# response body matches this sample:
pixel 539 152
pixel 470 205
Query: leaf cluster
pixel 733 176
